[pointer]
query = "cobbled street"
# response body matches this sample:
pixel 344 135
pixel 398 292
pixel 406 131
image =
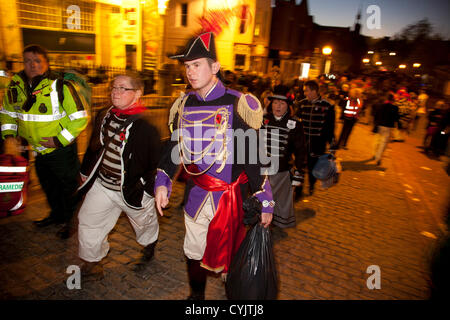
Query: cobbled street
pixel 389 216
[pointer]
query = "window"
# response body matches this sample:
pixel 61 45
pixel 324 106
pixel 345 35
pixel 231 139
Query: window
pixel 245 15
pixel 257 30
pixel 59 15
pixel 239 60
pixel 184 14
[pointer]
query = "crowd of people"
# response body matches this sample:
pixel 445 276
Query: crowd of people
pixel 417 110
pixel 127 168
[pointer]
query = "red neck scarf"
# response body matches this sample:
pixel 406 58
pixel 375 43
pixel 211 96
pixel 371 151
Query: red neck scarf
pixel 135 108
pixel 226 230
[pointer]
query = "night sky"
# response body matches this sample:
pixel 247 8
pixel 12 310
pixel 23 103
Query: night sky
pixel 394 14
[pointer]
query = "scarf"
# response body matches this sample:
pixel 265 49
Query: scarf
pixel 135 108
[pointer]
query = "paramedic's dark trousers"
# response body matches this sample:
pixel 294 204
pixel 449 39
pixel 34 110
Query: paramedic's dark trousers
pixel 58 173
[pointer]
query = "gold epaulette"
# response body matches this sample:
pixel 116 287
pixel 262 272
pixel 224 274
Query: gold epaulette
pixel 251 117
pixel 176 106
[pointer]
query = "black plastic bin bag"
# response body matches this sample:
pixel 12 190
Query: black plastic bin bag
pixel 252 274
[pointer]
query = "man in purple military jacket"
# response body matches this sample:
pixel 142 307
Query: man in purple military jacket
pixel 215 129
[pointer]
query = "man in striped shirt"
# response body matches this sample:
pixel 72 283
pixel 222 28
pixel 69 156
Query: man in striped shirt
pixel 119 170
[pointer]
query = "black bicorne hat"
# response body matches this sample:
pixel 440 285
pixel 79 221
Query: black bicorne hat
pixel 202 46
pixel 281 92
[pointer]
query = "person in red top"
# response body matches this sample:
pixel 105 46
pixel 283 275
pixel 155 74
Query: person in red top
pixel 351 107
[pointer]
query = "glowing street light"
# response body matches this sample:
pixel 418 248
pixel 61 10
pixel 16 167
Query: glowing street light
pixel 378 63
pixel 392 53
pixel 402 66
pixel 370 52
pixel 162 6
pixel 416 65
pixel 365 60
pixel 327 50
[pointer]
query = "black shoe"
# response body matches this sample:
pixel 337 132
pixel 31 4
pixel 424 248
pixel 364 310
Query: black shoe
pixel 197 280
pixel 46 222
pixel 147 255
pixel 298 193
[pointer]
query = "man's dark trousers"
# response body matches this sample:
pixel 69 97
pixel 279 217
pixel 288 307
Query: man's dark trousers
pixel 312 160
pixel 58 174
pixel 346 130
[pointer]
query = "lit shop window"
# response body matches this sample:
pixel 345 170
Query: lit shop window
pixel 73 15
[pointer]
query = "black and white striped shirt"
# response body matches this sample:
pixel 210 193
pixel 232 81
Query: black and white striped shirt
pixel 110 167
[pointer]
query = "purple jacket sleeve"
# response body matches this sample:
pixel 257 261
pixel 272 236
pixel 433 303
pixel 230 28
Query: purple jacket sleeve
pixel 162 179
pixel 265 197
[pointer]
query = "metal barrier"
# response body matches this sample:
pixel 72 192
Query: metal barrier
pixel 157 106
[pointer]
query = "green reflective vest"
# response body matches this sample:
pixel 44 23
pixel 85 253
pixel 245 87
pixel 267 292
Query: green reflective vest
pixel 46 116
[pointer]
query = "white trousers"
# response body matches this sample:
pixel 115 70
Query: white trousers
pixel 381 141
pixel 99 214
pixel 196 231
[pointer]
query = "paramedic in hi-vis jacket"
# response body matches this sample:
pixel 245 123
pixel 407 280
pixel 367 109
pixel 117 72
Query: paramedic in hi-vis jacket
pixel 33 110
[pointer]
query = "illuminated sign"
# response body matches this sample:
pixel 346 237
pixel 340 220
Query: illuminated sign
pixel 73 21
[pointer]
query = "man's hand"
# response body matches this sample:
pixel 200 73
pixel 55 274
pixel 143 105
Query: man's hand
pixel 161 198
pixel 266 219
pixel 48 142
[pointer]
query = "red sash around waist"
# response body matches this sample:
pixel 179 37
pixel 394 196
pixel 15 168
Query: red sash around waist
pixel 226 230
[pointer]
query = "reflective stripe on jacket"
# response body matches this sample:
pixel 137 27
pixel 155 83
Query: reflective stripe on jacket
pixel 352 109
pixel 46 117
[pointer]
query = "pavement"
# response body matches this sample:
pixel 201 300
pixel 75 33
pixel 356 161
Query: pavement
pixel 371 237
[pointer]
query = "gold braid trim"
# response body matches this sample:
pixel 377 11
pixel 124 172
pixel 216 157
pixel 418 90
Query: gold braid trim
pixel 177 105
pixel 251 117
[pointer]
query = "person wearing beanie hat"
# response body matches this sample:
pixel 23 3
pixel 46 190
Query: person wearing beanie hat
pixel 285 138
pixel 204 140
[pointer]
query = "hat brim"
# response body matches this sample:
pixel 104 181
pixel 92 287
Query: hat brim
pixel 182 57
pixel 280 97
pixel 277 96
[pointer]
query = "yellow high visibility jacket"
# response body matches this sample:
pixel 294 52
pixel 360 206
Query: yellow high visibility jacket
pixel 34 112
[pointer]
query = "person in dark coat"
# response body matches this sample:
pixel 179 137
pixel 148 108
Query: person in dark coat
pixel 386 116
pixel 285 140
pixel 318 118
pixel 118 173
